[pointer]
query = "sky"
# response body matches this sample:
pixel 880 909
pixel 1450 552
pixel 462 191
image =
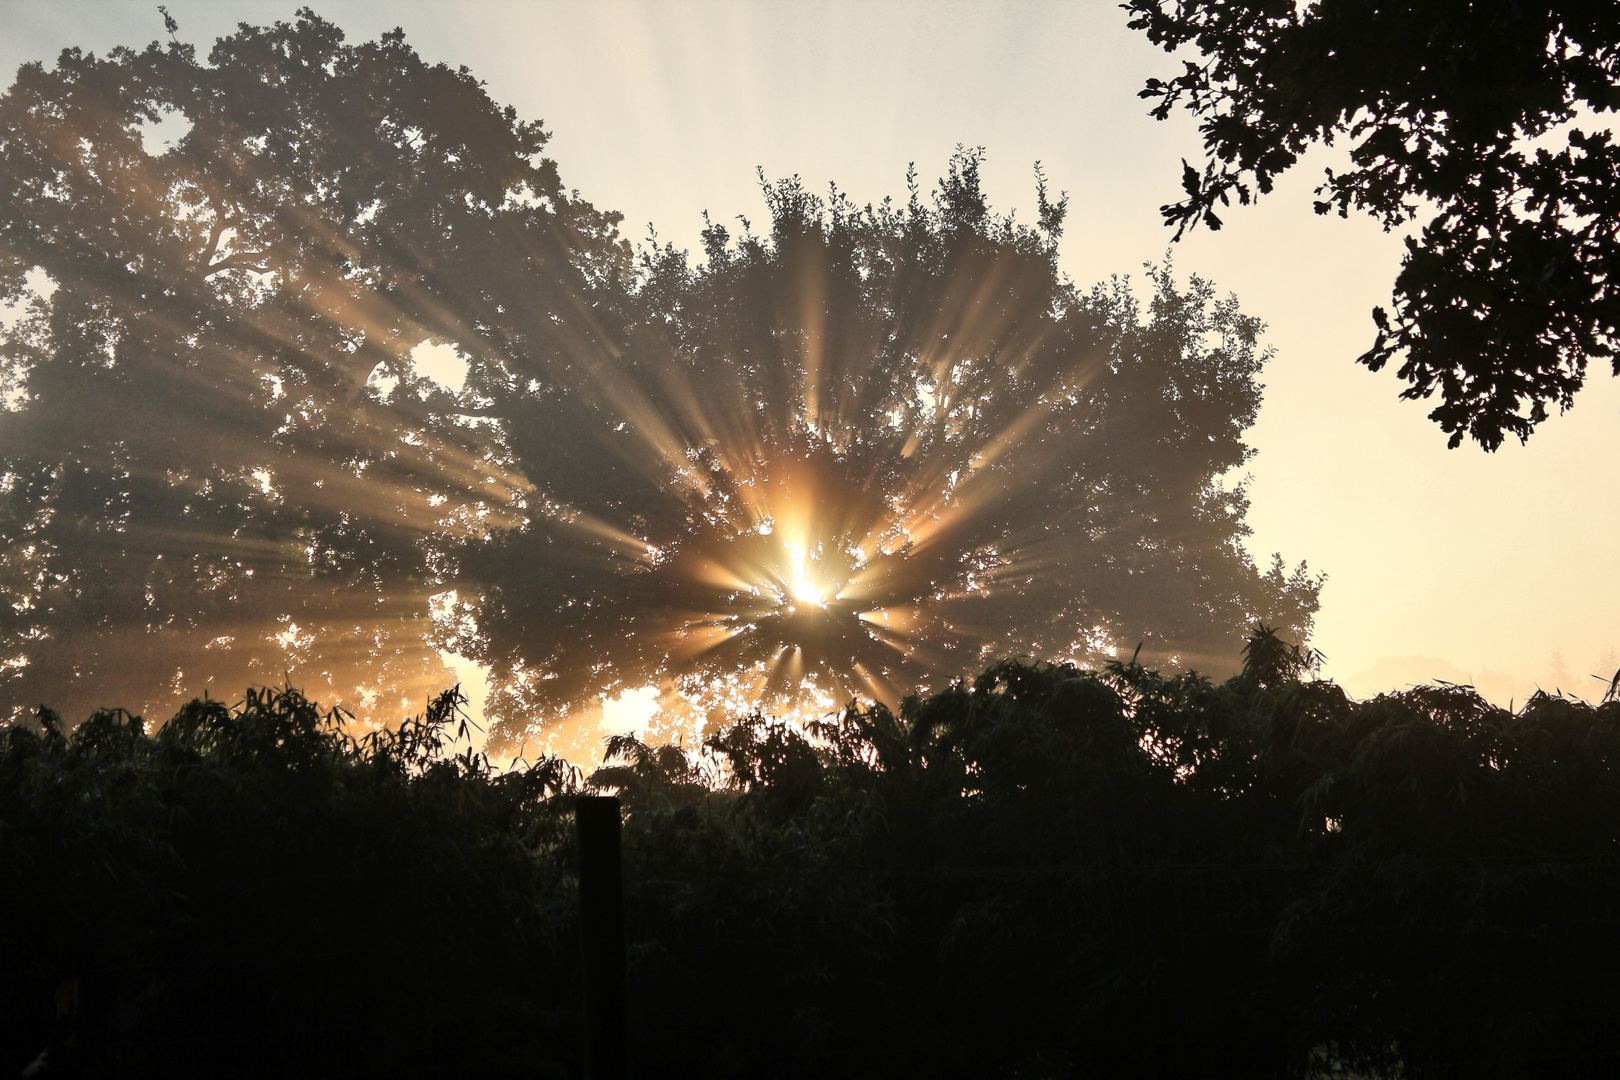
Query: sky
pixel 1495 569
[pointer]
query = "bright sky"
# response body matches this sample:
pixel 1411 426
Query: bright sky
pixel 1497 569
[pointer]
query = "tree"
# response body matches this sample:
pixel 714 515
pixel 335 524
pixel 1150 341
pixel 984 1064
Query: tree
pixel 206 480
pixel 221 467
pixel 1046 871
pixel 870 450
pixel 1480 111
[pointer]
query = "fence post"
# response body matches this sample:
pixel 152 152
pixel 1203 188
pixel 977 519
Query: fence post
pixel 601 933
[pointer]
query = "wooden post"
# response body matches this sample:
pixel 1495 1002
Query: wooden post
pixel 601 934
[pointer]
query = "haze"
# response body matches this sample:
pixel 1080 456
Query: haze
pixel 1495 569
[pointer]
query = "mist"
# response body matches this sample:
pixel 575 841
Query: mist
pixel 733 579
pixel 326 397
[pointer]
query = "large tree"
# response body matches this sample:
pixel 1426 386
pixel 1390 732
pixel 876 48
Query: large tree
pixel 869 449
pixel 204 482
pixel 872 449
pixel 1477 114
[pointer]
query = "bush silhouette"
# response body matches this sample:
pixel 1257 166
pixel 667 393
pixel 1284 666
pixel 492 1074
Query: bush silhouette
pixel 1047 872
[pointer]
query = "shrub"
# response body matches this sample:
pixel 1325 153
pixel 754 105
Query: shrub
pixel 1047 872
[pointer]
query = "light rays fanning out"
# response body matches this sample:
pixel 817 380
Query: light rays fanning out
pixel 863 452
pixel 193 458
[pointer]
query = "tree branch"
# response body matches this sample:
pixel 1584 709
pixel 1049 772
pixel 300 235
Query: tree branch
pixel 239 262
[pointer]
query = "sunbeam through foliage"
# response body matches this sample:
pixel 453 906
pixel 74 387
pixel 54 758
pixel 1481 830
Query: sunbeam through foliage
pixel 862 451
pixel 869 450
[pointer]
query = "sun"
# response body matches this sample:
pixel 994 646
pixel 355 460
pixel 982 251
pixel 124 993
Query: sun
pixel 807 593
pixel 802 585
pixel 856 459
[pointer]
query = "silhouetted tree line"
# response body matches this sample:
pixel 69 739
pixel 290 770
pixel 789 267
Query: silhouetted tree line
pixel 1047 872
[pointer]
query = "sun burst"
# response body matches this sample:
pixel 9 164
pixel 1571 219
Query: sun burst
pixel 863 458
pixel 855 456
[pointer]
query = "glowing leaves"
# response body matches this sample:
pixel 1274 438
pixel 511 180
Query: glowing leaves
pixel 870 451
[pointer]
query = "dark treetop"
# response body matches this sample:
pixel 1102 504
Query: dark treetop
pixel 1047 872
pixel 1480 111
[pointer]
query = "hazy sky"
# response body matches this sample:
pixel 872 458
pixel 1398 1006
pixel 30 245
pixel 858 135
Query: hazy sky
pixel 1451 564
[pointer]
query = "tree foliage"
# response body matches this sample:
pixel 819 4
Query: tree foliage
pixel 1049 871
pixel 874 448
pixel 261 873
pixel 203 475
pixel 221 463
pixel 1482 112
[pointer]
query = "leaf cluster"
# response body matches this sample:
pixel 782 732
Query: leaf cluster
pixel 224 263
pixel 950 427
pixel 1467 109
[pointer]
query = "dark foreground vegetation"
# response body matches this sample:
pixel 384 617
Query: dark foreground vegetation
pixel 1051 872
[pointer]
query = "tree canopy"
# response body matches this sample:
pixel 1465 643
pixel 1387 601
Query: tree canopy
pixel 204 479
pixel 867 448
pixel 1045 872
pixel 1490 115
pixel 871 449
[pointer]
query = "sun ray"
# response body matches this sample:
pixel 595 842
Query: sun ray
pixel 843 459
